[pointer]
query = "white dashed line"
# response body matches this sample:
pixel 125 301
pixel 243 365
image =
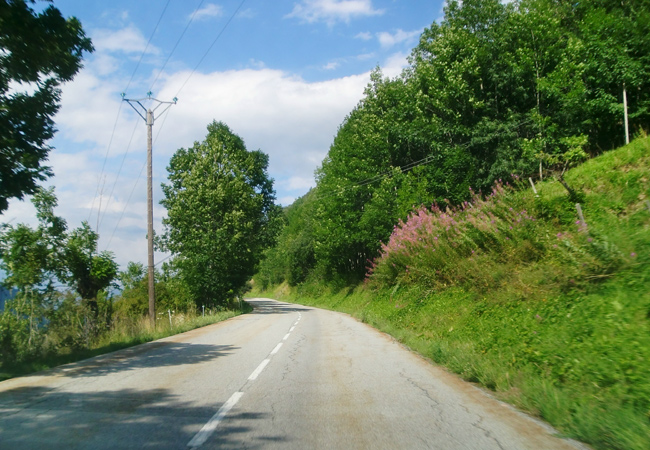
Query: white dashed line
pixel 209 428
pixel 259 369
pixel 205 432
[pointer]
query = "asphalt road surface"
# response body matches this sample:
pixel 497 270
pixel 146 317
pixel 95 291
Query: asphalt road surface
pixel 285 376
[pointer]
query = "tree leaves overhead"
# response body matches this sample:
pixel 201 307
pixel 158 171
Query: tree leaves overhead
pixel 38 52
pixel 220 213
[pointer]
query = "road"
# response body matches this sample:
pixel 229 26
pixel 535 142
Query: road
pixel 285 376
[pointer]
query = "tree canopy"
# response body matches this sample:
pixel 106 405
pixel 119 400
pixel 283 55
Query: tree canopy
pixel 38 52
pixel 220 214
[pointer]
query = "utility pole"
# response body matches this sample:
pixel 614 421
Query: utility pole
pixel 627 129
pixel 148 117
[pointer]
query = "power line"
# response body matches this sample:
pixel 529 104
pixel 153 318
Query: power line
pixel 165 64
pixel 147 46
pixel 92 206
pixel 150 89
pixel 223 29
pixel 164 259
pixel 101 173
pixel 210 47
pixel 117 177
pixel 137 180
pixel 176 44
pixel 412 165
pixel 181 88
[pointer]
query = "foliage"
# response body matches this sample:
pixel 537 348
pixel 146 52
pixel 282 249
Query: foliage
pixel 529 87
pixel 39 51
pixel 85 269
pixel 292 258
pixel 34 260
pixel 20 338
pixel 28 258
pixel 460 246
pixel 171 292
pixel 220 214
pixel 69 324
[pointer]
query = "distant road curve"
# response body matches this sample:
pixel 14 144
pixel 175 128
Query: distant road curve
pixel 285 377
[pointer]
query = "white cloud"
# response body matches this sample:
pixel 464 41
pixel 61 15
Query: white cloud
pixel 286 200
pixel 332 11
pixel 89 110
pixel 125 40
pixel 299 183
pixel 387 40
pixel 395 64
pixel 364 35
pixel 292 120
pixel 209 10
pixel 255 64
pixel 105 64
pixel 365 56
pixel 247 13
pixel 331 65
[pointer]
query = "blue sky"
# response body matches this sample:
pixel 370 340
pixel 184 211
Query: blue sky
pixel 283 75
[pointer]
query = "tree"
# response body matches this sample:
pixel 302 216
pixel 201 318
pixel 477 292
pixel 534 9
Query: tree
pixel 293 257
pixel 220 214
pixel 38 52
pixel 29 259
pixel 133 302
pixel 82 268
pixel 33 260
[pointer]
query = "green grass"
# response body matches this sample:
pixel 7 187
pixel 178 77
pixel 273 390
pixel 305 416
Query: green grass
pixel 122 335
pixel 564 335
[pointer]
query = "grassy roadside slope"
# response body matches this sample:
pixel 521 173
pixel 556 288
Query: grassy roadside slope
pixel 557 340
pixel 118 338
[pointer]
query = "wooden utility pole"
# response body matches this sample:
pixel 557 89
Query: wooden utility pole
pixel 583 224
pixel 627 129
pixel 152 295
pixel 149 119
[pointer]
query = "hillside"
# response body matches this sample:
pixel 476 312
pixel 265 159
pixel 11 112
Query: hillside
pixel 514 293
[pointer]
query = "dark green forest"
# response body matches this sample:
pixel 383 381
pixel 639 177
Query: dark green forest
pixel 493 91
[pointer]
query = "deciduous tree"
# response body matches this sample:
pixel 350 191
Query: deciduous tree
pixel 220 214
pixel 38 52
pixel 84 269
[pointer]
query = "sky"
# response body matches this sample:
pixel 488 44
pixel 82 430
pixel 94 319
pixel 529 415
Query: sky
pixel 282 74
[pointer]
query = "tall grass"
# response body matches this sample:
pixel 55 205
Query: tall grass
pixel 139 330
pixel 124 332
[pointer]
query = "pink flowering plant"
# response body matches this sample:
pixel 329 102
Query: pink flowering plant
pixel 432 242
pixel 440 248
